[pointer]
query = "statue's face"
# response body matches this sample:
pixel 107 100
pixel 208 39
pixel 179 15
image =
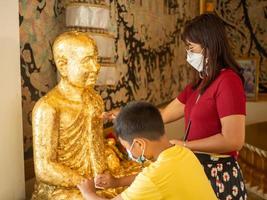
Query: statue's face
pixel 82 67
pixel 76 59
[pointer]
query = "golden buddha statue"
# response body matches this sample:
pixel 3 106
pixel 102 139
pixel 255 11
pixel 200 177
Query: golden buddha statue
pixel 68 140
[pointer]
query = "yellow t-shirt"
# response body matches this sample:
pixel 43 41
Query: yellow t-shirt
pixel 175 175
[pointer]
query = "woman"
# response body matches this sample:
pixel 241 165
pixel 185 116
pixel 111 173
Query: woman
pixel 213 106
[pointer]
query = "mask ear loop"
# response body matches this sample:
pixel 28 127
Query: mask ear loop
pixel 130 151
pixel 142 158
pixel 131 146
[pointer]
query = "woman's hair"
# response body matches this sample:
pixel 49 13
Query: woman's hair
pixel 208 31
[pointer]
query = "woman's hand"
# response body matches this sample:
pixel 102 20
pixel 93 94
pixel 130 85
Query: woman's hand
pixel 111 115
pixel 105 181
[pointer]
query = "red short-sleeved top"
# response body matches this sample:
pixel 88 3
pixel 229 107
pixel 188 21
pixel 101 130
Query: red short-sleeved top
pixel 224 97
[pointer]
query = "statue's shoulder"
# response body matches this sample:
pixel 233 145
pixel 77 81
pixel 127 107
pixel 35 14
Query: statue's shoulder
pixel 47 103
pixel 100 100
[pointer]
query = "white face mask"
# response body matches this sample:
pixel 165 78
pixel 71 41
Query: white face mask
pixel 196 60
pixel 141 159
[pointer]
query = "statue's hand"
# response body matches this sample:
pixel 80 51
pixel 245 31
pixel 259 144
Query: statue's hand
pixel 106 180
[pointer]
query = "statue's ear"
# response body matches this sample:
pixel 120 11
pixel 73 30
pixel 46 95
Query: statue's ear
pixel 61 63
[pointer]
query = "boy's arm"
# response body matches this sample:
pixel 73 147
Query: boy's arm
pixel 141 187
pixel 106 180
pixel 87 188
pixel 93 196
pixel 126 181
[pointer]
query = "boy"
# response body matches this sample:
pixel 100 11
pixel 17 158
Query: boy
pixel 175 173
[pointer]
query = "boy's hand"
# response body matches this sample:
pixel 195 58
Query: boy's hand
pixel 106 180
pixel 177 142
pixel 86 187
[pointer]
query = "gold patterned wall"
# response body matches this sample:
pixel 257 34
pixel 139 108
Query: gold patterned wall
pixel 246 23
pixel 40 22
pixel 149 55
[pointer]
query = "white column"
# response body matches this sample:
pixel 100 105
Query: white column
pixel 12 184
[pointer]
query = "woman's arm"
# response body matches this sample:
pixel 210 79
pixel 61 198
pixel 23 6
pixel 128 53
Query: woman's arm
pixel 231 139
pixel 173 111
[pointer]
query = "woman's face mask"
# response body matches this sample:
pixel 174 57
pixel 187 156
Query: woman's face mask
pixel 195 60
pixel 141 159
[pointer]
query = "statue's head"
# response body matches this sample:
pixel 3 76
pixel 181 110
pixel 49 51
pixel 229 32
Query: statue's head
pixel 75 55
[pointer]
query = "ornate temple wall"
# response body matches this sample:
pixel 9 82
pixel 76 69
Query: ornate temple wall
pixel 149 51
pixel 246 23
pixel 150 56
pixel 11 143
pixel 40 22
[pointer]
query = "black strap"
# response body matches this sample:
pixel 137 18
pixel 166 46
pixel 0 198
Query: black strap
pixel 189 123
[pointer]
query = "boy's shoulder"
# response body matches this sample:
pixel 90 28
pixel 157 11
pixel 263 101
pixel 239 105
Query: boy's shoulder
pixel 169 159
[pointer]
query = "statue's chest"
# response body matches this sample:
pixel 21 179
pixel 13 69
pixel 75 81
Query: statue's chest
pixel 94 108
pixel 90 112
pixel 78 122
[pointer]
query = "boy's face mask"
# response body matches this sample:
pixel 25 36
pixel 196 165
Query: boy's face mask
pixel 141 159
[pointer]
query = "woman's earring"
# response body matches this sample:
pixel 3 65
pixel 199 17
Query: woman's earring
pixel 200 75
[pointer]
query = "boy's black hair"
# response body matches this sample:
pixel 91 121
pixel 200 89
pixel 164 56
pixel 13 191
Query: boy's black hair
pixel 139 119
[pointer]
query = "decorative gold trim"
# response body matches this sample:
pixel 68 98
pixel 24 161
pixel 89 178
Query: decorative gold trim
pixel 110 35
pixel 105 60
pixel 93 30
pixel 71 5
pixel 108 64
pixel 206 6
pixel 202 6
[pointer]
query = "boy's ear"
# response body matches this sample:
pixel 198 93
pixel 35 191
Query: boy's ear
pixel 61 63
pixel 141 142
